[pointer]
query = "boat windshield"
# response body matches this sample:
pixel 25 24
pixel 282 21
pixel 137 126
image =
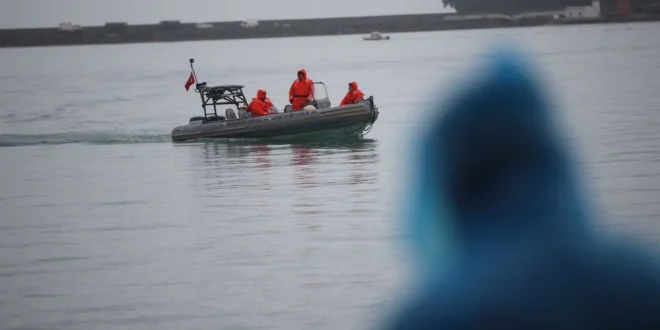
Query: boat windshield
pixel 320 93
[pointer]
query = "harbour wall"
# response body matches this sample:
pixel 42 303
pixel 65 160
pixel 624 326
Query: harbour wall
pixel 171 31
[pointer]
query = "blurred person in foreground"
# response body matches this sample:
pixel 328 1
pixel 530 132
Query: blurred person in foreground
pixel 498 221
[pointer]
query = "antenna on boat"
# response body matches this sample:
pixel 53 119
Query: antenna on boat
pixel 197 83
pixel 192 61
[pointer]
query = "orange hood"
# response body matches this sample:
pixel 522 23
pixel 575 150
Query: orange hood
pixel 353 84
pixel 304 72
pixel 261 94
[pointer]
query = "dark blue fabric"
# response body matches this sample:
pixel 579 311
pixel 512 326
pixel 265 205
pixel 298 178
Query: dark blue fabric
pixel 502 233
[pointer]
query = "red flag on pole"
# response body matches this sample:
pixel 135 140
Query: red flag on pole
pixel 191 80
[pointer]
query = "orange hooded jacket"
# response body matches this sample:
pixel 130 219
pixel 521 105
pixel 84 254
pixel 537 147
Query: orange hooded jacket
pixel 260 105
pixel 353 95
pixel 301 89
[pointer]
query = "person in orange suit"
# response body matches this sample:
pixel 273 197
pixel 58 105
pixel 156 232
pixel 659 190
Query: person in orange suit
pixel 260 105
pixel 302 90
pixel 353 95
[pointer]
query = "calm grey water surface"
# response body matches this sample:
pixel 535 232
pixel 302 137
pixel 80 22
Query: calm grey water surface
pixel 105 223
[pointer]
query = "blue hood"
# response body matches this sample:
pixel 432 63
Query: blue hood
pixel 502 236
pixel 491 171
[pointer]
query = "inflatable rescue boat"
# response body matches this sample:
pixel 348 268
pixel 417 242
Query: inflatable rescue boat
pixel 318 118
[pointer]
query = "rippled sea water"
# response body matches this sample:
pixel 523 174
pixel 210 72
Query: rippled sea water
pixel 106 223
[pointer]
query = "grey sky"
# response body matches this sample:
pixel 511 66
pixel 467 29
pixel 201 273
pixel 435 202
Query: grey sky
pixel 50 13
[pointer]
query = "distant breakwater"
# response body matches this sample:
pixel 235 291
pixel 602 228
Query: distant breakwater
pixel 171 31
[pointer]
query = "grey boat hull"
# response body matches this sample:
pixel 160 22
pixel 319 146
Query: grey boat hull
pixel 344 121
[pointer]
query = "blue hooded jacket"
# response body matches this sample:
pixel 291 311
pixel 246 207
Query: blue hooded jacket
pixel 502 236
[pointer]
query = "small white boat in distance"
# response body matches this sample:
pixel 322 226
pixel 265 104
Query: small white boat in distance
pixel 376 36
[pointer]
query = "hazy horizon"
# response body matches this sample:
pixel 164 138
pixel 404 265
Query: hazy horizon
pixel 50 13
